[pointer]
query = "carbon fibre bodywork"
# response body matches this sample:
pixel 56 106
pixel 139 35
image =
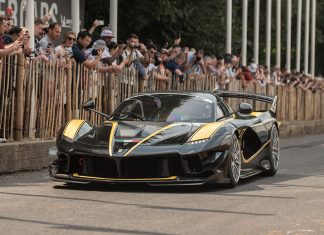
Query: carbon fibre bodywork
pixel 130 150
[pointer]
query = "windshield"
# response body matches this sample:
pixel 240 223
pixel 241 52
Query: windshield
pixel 167 108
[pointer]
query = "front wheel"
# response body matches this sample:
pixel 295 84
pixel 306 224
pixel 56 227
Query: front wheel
pixel 274 152
pixel 234 166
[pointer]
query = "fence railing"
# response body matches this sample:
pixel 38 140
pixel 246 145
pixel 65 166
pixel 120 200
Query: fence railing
pixel 36 98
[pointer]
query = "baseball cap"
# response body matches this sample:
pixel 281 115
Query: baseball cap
pixel 107 33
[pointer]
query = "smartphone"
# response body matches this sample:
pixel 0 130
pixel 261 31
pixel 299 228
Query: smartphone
pixel 101 22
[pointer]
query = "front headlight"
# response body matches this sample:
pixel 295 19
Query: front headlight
pixel 198 141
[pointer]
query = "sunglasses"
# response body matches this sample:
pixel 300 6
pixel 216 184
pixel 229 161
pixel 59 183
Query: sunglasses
pixel 70 38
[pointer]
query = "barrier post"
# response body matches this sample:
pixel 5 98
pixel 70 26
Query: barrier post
pixel 111 98
pixel 19 123
pixel 68 107
pixel 140 84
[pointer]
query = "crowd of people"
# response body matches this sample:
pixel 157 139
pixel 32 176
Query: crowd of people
pixel 106 56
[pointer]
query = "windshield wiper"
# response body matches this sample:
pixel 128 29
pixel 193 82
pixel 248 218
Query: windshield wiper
pixel 130 114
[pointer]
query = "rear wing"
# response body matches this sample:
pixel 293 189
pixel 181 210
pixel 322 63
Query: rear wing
pixel 263 98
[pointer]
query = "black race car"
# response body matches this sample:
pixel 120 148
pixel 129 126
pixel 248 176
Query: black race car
pixel 170 138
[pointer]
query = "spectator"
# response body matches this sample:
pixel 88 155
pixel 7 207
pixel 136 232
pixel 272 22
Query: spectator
pixel 175 65
pixel 107 36
pixel 109 58
pixel 78 50
pixel 230 72
pixel 113 47
pixel 267 73
pixel 136 58
pixel 15 46
pixel 221 82
pixel 38 29
pixel 235 61
pixel 27 51
pixel 153 56
pixel 63 52
pixel 247 77
pixel 208 62
pixel 92 52
pixel 196 68
pixel 39 26
pixel 253 69
pixel 13 34
pixel 220 67
pixel 9 14
pixel 6 26
pixel 276 76
pixel 261 77
pixel 152 49
pixel 164 56
pixel 160 73
pixel 47 42
pixel 97 46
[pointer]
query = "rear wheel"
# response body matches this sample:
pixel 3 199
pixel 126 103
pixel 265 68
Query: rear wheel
pixel 234 166
pixel 274 152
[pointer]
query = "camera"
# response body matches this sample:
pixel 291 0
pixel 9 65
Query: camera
pixel 137 46
pixel 68 53
pixel 157 59
pixel 198 58
pixel 181 79
pixel 119 59
pixel 94 52
pixel 49 45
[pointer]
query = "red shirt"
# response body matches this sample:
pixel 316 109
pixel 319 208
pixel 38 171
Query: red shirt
pixel 1 42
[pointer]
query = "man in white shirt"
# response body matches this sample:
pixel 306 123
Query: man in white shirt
pixel 136 58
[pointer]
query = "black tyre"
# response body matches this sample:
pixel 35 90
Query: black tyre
pixel 274 152
pixel 234 166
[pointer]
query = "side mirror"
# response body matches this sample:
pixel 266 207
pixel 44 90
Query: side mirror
pixel 89 105
pixel 245 108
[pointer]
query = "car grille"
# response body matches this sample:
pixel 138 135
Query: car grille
pixel 134 167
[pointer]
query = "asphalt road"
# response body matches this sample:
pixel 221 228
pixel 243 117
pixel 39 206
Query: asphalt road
pixel 292 202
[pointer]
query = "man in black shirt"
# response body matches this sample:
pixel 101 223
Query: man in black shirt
pixel 78 49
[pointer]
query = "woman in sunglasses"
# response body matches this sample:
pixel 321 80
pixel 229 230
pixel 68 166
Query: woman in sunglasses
pixel 63 52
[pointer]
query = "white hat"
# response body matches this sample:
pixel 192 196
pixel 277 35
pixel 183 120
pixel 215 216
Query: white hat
pixel 253 67
pixel 107 33
pixel 99 44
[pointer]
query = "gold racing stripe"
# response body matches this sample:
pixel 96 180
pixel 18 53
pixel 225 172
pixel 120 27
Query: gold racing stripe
pixel 119 179
pixel 72 128
pixel 256 154
pixel 155 133
pixel 111 137
pixel 256 113
pixel 206 131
